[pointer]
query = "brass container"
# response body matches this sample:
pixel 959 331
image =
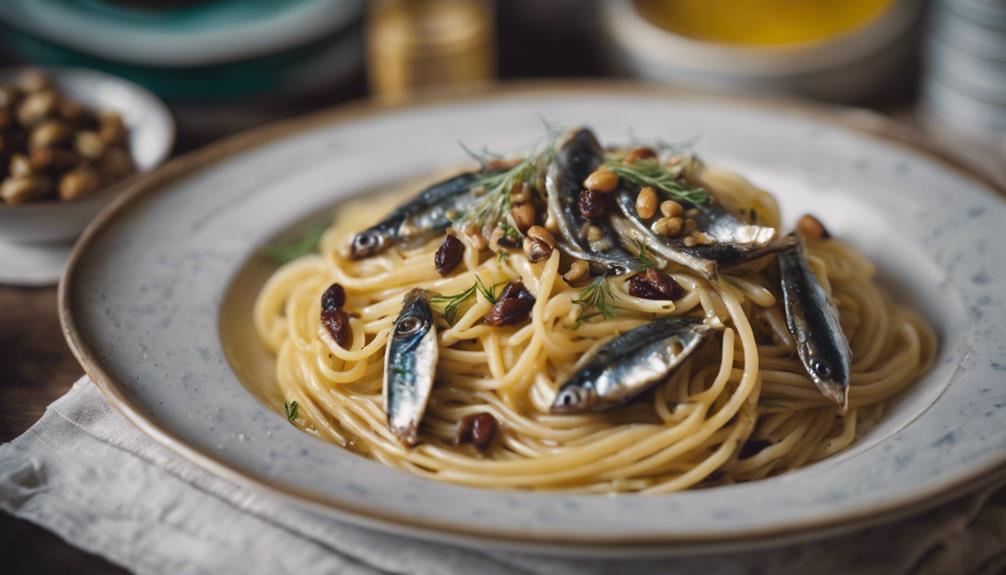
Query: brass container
pixel 413 44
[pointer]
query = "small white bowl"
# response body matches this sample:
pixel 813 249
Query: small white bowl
pixel 151 136
pixel 849 67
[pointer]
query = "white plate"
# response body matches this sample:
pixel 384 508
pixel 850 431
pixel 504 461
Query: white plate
pixel 141 305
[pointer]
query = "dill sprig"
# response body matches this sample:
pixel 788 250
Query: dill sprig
pixel 651 172
pixel 291 409
pixel 494 205
pixel 643 255
pixel 451 304
pixel 596 295
pixel 307 243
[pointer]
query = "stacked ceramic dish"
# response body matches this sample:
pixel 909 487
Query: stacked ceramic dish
pixel 965 82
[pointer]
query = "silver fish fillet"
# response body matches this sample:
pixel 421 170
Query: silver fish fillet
pixel 418 219
pixel 630 364
pixel 736 242
pixel 577 155
pixel 813 322
pixel 410 364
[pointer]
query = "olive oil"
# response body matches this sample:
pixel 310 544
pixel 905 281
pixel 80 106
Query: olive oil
pixel 761 22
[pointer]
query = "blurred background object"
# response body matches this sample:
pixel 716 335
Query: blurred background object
pixel 425 43
pixel 222 65
pixel 964 87
pixel 847 51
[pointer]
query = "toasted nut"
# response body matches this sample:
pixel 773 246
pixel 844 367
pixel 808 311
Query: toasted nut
pixel 667 226
pixel 111 128
pixel 52 159
pixel 520 193
pixel 20 166
pixel 89 145
pixel 503 240
pixel 50 133
pixel 593 234
pixel 591 204
pixel 78 184
pixel 646 203
pixel 812 228
pixel 25 189
pixel 536 250
pixel 578 270
pixel 690 226
pixel 541 234
pixel 691 212
pixel 31 81
pixel 9 97
pixel 671 209
pixel 699 239
pixel 478 428
pixel 36 107
pixel 601 180
pixel 523 216
pixel 71 111
pixel 115 164
pixel 654 284
pixel 639 154
pixel 448 255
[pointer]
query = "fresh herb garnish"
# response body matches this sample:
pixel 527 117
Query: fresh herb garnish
pixel 291 409
pixel 596 295
pixel 771 404
pixel 307 243
pixel 500 259
pixel 651 172
pixel 643 255
pixel 494 204
pixel 451 304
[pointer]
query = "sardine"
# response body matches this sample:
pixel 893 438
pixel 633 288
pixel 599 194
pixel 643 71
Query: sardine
pixel 410 364
pixel 420 218
pixel 813 322
pixel 736 242
pixel 630 364
pixel 577 155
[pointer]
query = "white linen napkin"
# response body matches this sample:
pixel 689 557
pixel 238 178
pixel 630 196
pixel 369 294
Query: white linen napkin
pixel 85 473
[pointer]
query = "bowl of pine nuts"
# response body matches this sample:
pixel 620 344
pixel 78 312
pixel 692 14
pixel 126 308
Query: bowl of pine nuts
pixel 69 138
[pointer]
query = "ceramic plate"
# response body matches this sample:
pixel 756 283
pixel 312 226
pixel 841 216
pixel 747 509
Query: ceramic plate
pixel 157 300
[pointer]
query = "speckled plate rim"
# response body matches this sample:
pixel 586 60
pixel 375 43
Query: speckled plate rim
pixel 993 470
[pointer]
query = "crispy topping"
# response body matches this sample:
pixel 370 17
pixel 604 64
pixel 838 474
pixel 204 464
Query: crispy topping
pixel 448 255
pixel 654 284
pixel 513 305
pixel 478 428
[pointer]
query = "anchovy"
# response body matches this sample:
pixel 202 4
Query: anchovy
pixel 418 219
pixel 577 156
pixel 813 321
pixel 735 241
pixel 630 364
pixel 410 363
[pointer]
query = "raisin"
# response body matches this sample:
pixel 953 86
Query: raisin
pixel 654 284
pixel 512 306
pixel 333 298
pixel 591 204
pixel 478 428
pixel 448 255
pixel 336 322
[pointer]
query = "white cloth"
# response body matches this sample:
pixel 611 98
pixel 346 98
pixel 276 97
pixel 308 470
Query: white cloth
pixel 85 473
